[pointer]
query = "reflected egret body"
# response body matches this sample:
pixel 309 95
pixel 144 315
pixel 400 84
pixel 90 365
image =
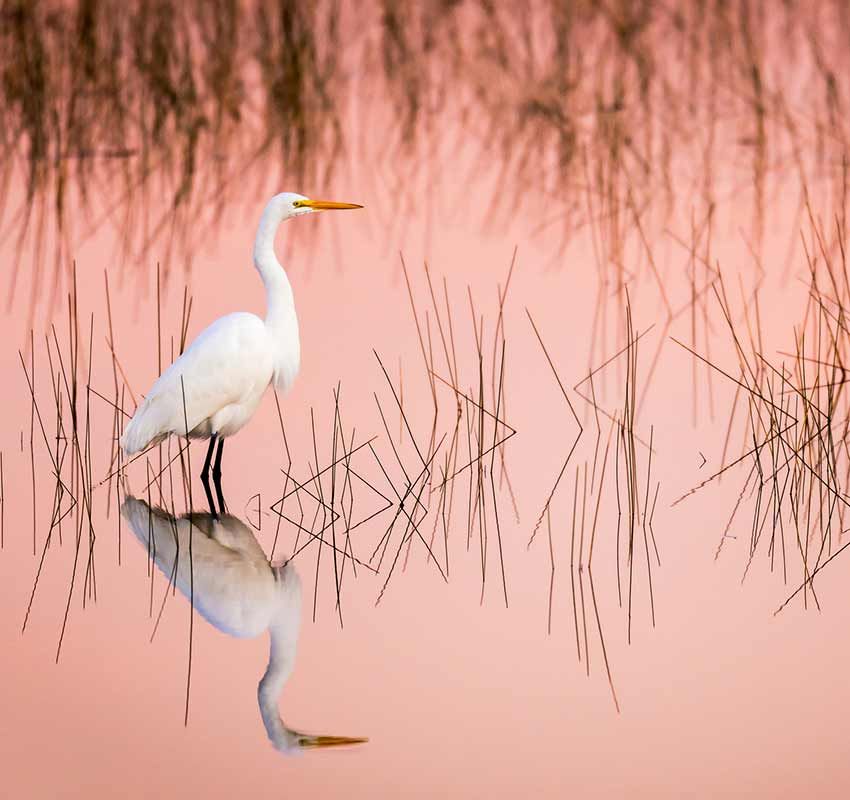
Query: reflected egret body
pixel 236 590
pixel 215 386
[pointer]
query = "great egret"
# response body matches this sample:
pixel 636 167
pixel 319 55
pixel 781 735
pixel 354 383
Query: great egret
pixel 236 590
pixel 215 386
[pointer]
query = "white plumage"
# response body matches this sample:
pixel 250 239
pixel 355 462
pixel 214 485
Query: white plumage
pixel 222 375
pixel 215 386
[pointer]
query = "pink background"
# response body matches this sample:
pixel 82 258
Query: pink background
pixel 458 697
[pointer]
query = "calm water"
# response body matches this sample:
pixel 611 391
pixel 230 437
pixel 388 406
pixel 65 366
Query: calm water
pixel 476 661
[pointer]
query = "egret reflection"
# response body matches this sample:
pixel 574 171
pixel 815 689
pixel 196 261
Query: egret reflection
pixel 238 591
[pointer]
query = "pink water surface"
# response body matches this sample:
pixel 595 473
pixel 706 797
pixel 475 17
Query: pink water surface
pixel 459 697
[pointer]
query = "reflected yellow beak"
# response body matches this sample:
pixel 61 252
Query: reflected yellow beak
pixel 330 741
pixel 327 205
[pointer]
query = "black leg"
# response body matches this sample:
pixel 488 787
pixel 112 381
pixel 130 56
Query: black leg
pixel 216 473
pixel 205 478
pixel 207 460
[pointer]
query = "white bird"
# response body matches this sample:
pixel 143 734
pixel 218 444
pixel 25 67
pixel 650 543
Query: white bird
pixel 236 590
pixel 215 386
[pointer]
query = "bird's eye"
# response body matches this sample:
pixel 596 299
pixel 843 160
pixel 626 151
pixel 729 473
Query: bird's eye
pixel 297 203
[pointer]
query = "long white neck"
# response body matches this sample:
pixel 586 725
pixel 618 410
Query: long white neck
pixel 280 302
pixel 282 644
pixel 281 320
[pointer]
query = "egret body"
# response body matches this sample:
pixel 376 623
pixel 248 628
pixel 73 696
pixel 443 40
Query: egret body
pixel 214 387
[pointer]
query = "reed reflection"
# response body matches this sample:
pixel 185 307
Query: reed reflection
pixel 235 588
pixel 601 107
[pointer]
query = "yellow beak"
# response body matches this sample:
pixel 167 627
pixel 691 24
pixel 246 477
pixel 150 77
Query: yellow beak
pixel 330 741
pixel 327 205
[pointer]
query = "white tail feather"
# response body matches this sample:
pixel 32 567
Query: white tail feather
pixel 143 429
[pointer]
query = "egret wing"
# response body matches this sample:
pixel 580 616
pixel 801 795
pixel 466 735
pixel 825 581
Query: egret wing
pixel 221 366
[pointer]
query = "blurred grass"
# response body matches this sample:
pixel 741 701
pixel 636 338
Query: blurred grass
pixel 607 109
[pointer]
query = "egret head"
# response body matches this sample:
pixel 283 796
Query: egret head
pixel 291 204
pixel 281 207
